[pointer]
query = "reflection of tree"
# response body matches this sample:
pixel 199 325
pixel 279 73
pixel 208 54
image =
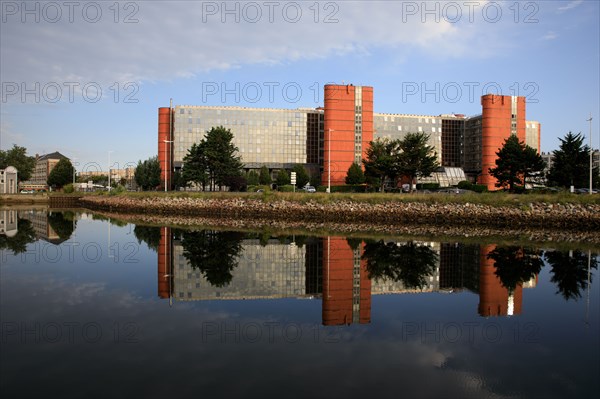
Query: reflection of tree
pixel 148 234
pixel 214 253
pixel 407 263
pixel 515 265
pixel 570 271
pixel 62 223
pixel 354 243
pixel 25 235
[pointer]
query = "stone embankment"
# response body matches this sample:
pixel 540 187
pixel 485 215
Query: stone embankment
pixel 563 217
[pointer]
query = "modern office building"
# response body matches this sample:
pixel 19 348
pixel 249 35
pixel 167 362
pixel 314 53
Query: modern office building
pixel 327 140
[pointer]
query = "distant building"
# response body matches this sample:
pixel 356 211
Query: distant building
pixel 8 180
pixel 43 166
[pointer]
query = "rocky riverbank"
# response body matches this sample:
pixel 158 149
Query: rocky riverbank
pixel 389 217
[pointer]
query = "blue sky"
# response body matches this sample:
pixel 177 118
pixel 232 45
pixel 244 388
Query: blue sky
pixel 421 58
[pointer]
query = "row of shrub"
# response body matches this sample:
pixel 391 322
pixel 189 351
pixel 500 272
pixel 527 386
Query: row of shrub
pixel 466 185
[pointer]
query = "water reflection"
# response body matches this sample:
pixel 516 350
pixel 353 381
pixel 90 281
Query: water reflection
pixel 346 273
pixel 431 324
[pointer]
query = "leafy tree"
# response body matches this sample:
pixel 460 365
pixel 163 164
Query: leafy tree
pixel 416 158
pixel 381 161
pixel 252 178
pixel 355 174
pixel 147 173
pixel 408 263
pixel 148 234
pixel 17 157
pixel 61 174
pixel 515 161
pixel 302 177
pixel 516 265
pixel 213 160
pixel 221 155
pixel 570 271
pixel 264 177
pixel 282 178
pixel 236 183
pixel 214 253
pixel 570 163
pixel 195 169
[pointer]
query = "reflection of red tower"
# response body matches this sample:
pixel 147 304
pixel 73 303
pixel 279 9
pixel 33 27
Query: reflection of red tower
pixel 346 286
pixel 494 299
pixel 349 115
pixel 501 117
pixel 164 263
pixel 164 147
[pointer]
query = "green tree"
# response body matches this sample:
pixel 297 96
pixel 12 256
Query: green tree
pixel 221 155
pixel 264 177
pixel 61 174
pixel 195 165
pixel 515 162
pixel 147 173
pixel 355 174
pixel 17 157
pixel 252 178
pixel 416 158
pixel 302 176
pixel 381 162
pixel 570 163
pixel 282 178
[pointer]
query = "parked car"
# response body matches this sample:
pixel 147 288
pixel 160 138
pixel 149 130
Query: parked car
pixel 310 189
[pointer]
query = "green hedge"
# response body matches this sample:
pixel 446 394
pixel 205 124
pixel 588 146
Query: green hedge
pixel 466 185
pixel 428 186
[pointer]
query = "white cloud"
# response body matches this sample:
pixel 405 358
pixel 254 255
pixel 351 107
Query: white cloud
pixel 570 5
pixel 170 40
pixel 550 36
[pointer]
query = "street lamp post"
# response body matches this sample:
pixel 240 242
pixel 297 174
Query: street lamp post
pixel 591 151
pixel 167 163
pixel 109 170
pixel 329 161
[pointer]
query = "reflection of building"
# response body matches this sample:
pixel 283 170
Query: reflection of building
pixel 495 299
pixel 346 285
pixel 281 138
pixel 43 229
pixel 8 180
pixel 8 222
pixel 329 268
pixel 264 270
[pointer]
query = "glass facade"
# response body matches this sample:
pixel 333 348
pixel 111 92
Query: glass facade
pixel 273 137
pixel 396 126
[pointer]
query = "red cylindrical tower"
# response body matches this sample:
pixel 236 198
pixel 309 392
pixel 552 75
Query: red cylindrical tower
pixel 165 147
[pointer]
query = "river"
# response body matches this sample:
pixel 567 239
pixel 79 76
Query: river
pixel 98 307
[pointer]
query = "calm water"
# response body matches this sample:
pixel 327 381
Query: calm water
pixel 98 308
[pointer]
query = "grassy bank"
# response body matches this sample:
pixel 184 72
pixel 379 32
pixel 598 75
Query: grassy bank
pixel 492 199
